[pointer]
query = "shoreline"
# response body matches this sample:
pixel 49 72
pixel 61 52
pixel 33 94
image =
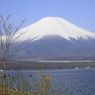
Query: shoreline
pixel 49 65
pixel 51 69
pixel 65 61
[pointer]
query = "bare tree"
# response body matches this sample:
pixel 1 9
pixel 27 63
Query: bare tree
pixel 7 34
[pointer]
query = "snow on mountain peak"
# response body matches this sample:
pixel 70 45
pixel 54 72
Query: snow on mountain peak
pixel 54 26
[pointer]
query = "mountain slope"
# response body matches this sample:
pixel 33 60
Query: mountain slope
pixel 54 38
pixel 55 26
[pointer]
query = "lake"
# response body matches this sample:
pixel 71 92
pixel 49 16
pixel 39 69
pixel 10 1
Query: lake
pixel 74 81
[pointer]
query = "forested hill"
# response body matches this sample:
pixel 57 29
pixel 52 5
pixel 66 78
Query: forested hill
pixel 33 65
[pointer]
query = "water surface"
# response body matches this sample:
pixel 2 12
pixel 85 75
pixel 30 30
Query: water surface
pixel 77 82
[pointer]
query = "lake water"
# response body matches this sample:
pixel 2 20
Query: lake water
pixel 74 82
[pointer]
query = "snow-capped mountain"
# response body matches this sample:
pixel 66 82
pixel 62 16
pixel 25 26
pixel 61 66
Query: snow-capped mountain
pixel 53 38
pixel 55 26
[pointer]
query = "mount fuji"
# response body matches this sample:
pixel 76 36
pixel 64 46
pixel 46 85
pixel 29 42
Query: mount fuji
pixel 53 38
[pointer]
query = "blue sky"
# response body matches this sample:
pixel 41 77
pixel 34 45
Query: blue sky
pixel 78 12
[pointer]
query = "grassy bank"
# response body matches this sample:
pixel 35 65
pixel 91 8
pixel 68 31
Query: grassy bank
pixel 8 92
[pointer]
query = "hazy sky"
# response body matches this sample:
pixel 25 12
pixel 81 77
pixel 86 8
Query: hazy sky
pixel 79 12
